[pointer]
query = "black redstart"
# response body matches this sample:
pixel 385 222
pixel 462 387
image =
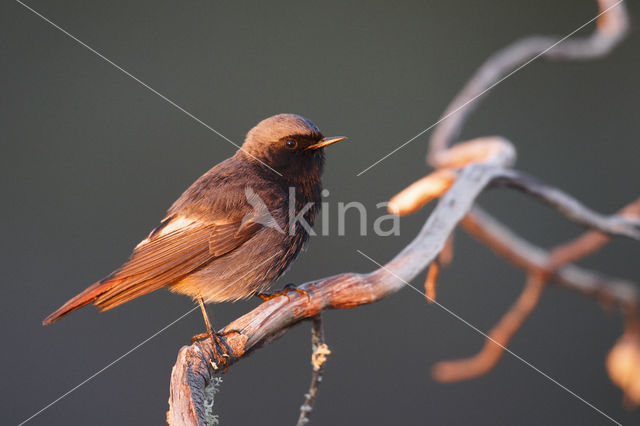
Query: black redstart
pixel 213 245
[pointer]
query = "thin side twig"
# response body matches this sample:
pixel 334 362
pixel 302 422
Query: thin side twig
pixel 319 354
pixel 430 284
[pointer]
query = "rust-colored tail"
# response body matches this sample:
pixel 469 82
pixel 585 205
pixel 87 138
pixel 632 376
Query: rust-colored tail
pixel 87 296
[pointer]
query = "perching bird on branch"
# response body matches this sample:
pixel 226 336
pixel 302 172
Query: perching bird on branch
pixel 235 230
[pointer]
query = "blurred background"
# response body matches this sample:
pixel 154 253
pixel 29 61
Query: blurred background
pixel 91 160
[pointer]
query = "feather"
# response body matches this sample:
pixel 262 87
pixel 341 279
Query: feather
pixel 176 248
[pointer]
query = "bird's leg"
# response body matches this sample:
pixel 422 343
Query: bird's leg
pixel 219 354
pixel 284 292
pixel 203 308
pixel 210 334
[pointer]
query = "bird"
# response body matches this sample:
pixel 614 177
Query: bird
pixel 234 231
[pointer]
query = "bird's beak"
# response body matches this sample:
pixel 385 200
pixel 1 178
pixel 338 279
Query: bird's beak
pixel 326 142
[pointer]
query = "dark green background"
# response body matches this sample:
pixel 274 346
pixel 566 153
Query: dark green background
pixel 91 159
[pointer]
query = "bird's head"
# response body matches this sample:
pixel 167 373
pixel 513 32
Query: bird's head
pixel 288 143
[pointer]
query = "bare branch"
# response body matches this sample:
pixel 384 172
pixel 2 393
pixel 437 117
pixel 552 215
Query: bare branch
pixel 611 27
pixel 503 332
pixel 199 362
pixel 572 208
pixel 411 199
pixel 488 357
pixel 274 317
pixel 534 259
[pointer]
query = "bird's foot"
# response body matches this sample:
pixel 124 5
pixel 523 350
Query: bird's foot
pixel 220 357
pixel 286 290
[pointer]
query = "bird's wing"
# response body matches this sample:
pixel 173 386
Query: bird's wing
pixel 174 249
pixel 178 248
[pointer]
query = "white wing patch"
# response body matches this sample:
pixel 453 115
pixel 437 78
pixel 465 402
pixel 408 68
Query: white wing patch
pixel 177 223
pixel 174 225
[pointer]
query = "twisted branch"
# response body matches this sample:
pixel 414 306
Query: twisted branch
pixel 462 173
pixel 200 361
pixel 541 266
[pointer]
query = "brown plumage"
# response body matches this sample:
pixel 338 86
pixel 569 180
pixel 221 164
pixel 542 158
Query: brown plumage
pixel 213 244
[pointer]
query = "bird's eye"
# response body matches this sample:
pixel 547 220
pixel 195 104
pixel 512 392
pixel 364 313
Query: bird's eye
pixel 291 144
